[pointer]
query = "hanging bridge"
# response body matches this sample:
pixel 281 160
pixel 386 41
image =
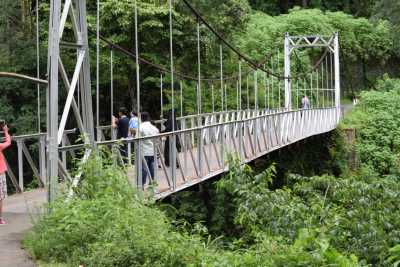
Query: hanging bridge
pixel 255 109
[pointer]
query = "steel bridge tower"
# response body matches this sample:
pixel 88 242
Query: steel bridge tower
pixel 73 11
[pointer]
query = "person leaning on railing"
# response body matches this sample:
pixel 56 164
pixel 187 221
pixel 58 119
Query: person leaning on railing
pixel 3 168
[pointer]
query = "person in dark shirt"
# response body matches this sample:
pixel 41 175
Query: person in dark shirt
pixel 171 125
pixel 122 125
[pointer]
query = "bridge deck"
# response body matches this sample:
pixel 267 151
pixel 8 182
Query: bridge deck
pixel 251 139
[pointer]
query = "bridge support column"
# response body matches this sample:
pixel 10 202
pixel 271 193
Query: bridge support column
pixel 288 84
pixel 76 11
pixel 337 75
pixel 52 97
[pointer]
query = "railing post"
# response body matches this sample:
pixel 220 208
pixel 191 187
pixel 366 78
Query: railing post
pixel 184 144
pixel 222 144
pixel 241 126
pixel 42 159
pixel 199 151
pixel 172 158
pixel 20 166
pixel 64 153
pixel 129 153
pixel 138 164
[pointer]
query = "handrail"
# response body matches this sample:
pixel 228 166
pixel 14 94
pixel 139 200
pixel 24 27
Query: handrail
pixel 38 135
pixel 22 77
pixel 183 131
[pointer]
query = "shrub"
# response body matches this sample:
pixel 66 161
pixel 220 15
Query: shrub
pixel 107 224
pixel 377 122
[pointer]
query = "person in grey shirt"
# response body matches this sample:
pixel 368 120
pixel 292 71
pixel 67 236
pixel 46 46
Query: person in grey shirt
pixel 305 102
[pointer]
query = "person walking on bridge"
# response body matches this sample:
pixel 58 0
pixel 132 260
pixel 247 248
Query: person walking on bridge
pixel 305 102
pixel 171 125
pixel 3 168
pixel 147 146
pixel 122 126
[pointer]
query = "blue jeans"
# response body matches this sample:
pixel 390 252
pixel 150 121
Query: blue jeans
pixel 150 164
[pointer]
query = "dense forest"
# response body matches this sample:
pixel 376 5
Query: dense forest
pixel 324 201
pixel 368 38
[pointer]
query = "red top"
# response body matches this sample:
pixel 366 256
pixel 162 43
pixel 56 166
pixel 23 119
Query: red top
pixel 4 145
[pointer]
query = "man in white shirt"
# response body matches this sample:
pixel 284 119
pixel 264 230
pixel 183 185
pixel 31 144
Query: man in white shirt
pixel 147 145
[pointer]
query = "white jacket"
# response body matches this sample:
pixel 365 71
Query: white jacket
pixel 148 129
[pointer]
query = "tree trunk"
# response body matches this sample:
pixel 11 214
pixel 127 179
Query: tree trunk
pixel 23 11
pixel 305 3
pixel 284 6
pixel 347 7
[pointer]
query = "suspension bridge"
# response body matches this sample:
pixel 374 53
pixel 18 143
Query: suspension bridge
pixel 266 114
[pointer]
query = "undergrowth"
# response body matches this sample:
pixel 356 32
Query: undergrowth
pixel 108 224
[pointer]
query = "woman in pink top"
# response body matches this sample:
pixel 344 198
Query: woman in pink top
pixel 3 168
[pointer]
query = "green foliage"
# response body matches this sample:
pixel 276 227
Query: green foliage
pixel 359 38
pixel 361 218
pixel 357 214
pixel 377 123
pixel 254 32
pixel 390 10
pixel 364 44
pixel 395 256
pixel 18 99
pixel 107 224
pixel 357 8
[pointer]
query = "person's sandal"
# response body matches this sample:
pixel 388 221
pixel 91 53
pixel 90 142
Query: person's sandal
pixel 2 222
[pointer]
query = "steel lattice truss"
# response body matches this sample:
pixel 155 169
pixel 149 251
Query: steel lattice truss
pixel 297 42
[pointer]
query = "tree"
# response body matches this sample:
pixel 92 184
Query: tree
pixel 390 10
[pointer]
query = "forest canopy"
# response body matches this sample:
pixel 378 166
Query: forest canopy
pixel 368 46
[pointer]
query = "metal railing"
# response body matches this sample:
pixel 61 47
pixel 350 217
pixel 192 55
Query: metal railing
pixel 200 147
pixel 27 145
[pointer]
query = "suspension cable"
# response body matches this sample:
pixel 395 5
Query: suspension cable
pixel 163 69
pixel 171 49
pixel 253 64
pixel 222 76
pixel 97 67
pixel 199 70
pixel 38 64
pixel 161 96
pixel 112 82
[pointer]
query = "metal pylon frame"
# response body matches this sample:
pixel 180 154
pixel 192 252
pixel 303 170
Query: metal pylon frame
pixel 293 43
pixel 75 12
